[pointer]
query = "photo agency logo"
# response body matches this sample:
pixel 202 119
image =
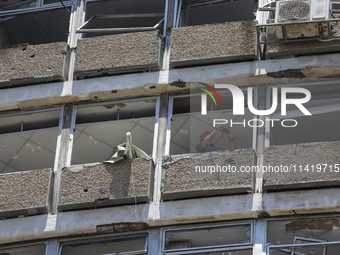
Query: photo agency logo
pixel 239 105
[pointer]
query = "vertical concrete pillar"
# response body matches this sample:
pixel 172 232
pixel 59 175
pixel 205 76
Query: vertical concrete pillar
pixel 160 152
pixel 259 235
pixel 63 153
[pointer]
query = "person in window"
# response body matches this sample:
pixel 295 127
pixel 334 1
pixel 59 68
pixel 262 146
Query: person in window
pixel 206 138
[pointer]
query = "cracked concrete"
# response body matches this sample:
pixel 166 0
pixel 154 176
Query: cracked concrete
pixel 103 184
pixel 181 180
pixel 32 63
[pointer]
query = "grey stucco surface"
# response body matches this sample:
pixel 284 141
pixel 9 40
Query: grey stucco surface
pixel 24 192
pixel 103 183
pixel 297 48
pixel 118 53
pixel 213 43
pixel 32 63
pixel 180 178
pixel 302 155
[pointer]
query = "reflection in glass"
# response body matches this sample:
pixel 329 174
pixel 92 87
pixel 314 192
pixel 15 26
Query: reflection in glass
pixel 106 247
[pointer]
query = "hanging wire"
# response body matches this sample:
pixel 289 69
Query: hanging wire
pixel 61 1
pixel 48 22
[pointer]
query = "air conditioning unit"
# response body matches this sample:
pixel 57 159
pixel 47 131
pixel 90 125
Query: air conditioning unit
pixel 298 12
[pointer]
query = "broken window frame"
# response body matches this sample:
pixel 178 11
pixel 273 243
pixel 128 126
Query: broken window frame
pixel 213 248
pixel 82 29
pixel 296 113
pixel 113 237
pixel 74 116
pixel 59 127
pixel 292 247
pixel 170 115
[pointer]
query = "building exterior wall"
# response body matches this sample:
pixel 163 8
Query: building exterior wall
pixel 129 200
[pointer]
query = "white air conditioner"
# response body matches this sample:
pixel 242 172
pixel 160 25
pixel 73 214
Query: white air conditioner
pixel 298 12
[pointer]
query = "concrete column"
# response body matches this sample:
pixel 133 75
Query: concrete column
pixel 154 210
pixel 52 247
pixel 260 237
pixel 63 153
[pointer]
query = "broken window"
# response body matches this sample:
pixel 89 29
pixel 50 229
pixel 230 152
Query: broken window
pixel 198 12
pixel 188 124
pixel 100 128
pixel 25 250
pixel 323 125
pixel 131 245
pixel 123 16
pixel 29 141
pixel 34 28
pixel 308 236
pixel 200 238
pixel 303 231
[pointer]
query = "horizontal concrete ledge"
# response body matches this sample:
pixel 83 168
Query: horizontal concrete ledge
pixel 175 80
pixel 222 208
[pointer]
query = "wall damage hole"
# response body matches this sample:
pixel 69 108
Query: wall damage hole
pixel 86 190
pixel 114 91
pixel 23 49
pixel 33 55
pixel 152 87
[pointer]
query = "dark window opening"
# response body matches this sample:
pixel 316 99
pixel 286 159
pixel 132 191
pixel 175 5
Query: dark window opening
pixel 198 12
pixel 102 10
pixel 35 28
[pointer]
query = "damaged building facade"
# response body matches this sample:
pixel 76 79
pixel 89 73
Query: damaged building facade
pixel 76 76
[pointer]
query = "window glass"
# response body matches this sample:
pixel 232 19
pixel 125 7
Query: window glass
pixel 123 7
pixel 28 142
pixel 188 124
pixel 27 250
pixel 323 125
pixel 207 236
pixel 99 129
pixel 330 249
pixel 106 247
pixel 197 12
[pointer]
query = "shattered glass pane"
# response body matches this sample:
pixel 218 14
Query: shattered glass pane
pixel 208 236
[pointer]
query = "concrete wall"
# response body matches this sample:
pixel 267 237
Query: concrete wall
pixel 105 184
pixel 302 155
pixel 181 180
pixel 285 49
pixel 33 63
pixel 213 43
pixel 120 53
pixel 25 193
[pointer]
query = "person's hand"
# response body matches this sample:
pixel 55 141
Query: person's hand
pixel 229 134
pixel 217 128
